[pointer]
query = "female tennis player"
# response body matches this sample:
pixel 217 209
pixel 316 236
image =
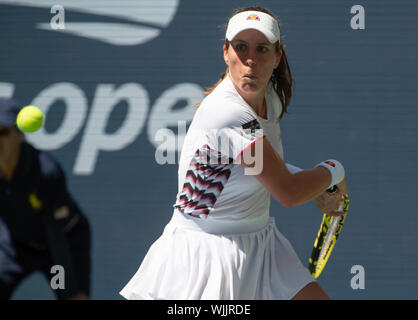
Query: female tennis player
pixel 221 242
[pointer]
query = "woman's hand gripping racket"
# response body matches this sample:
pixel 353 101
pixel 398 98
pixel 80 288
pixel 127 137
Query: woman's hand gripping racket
pixel 327 237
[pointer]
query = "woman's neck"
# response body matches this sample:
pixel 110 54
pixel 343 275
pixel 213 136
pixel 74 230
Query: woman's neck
pixel 257 103
pixel 256 100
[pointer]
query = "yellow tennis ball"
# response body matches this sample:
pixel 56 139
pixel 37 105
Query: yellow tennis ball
pixel 30 119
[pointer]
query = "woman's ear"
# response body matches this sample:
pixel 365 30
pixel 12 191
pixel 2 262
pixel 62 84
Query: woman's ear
pixel 278 58
pixel 226 55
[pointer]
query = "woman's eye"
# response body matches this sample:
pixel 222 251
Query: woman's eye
pixel 262 49
pixel 240 47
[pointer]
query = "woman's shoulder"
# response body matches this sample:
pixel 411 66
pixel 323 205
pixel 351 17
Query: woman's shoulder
pixel 223 112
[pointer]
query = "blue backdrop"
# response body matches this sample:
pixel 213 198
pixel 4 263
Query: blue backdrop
pixel 122 70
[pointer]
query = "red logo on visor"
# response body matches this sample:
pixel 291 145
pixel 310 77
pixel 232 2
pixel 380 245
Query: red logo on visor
pixel 332 164
pixel 253 17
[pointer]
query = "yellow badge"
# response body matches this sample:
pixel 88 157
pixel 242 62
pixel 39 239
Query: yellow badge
pixel 34 201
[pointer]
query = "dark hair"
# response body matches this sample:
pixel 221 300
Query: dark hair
pixel 281 78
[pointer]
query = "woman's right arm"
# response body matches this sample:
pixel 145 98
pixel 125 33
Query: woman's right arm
pixel 287 188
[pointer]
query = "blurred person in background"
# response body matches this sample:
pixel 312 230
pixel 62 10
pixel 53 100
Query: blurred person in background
pixel 41 226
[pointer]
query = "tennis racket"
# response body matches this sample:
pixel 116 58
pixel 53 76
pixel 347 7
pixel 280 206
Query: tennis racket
pixel 327 236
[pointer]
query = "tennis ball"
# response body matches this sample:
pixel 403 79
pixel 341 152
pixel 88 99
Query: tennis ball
pixel 30 119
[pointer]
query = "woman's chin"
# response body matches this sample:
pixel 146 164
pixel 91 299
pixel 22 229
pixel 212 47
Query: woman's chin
pixel 250 87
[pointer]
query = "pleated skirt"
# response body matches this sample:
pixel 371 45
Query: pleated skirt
pixel 200 259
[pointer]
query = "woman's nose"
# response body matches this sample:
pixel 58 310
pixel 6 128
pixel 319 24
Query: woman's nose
pixel 250 62
pixel 250 59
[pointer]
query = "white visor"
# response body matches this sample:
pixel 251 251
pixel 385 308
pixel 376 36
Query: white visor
pixel 257 20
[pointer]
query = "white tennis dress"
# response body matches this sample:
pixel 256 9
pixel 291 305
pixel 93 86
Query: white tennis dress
pixel 221 242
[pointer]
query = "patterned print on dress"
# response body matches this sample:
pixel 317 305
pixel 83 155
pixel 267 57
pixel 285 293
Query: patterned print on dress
pixel 206 177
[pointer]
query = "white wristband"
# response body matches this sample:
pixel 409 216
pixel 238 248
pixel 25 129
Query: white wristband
pixel 335 168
